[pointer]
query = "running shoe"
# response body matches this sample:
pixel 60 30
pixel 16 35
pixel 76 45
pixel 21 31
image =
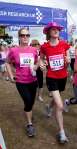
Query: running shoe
pixel 7 78
pixel 66 104
pixel 62 139
pixel 30 131
pixel 48 111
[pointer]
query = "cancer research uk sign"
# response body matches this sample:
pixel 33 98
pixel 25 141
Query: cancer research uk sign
pixel 18 14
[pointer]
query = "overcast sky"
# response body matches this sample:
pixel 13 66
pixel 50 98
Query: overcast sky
pixel 70 5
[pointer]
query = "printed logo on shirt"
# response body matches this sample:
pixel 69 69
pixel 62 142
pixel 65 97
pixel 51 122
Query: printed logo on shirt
pixel 56 62
pixel 26 59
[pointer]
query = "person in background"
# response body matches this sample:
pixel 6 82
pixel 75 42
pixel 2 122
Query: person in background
pixel 3 56
pixel 73 100
pixel 25 60
pixel 57 56
pixel 39 73
pixel 72 55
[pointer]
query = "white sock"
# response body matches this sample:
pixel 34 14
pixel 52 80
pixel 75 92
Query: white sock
pixel 62 133
pixel 29 123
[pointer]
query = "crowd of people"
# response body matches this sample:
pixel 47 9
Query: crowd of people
pixel 30 61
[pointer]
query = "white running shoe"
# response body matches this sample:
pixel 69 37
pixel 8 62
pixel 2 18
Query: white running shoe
pixel 7 78
pixel 62 139
pixel 66 104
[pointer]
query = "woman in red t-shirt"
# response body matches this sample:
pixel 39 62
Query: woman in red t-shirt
pixel 57 55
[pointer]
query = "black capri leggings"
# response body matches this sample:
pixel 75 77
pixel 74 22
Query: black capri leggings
pixel 28 93
pixel 39 74
pixel 72 64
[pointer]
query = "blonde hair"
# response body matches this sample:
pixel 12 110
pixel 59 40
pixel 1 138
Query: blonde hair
pixel 19 32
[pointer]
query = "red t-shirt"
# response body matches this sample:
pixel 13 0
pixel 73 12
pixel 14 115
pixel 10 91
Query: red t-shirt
pixel 55 58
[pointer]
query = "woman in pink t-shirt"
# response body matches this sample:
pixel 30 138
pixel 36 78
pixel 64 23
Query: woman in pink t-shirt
pixel 25 60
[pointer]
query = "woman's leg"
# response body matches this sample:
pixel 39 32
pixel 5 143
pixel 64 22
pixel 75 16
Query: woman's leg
pixel 59 116
pixel 58 108
pixel 28 93
pixel 56 86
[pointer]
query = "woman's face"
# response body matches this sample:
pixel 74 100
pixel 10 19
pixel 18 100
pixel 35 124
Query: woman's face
pixel 37 45
pixel 24 37
pixel 2 48
pixel 54 33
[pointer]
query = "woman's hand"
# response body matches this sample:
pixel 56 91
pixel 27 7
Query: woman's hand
pixel 35 67
pixel 67 60
pixel 42 65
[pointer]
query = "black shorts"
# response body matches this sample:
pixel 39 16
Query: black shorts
pixel 56 84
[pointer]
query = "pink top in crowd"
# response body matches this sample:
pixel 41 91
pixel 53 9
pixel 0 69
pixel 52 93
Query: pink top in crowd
pixel 22 58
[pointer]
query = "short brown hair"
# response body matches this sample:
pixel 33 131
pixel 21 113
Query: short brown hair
pixel 34 42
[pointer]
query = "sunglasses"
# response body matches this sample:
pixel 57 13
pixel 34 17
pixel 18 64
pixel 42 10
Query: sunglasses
pixel 36 44
pixel 24 35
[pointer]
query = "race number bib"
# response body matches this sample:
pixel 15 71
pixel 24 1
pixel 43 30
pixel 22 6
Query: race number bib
pixel 26 59
pixel 56 62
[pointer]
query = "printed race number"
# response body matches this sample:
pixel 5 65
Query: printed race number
pixel 26 59
pixel 56 62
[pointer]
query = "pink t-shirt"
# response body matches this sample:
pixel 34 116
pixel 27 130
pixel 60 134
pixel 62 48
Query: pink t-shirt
pixel 75 74
pixel 22 58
